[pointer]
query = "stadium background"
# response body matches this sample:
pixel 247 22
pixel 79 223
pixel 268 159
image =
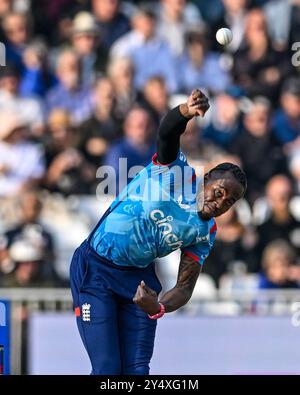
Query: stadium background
pixel 87 83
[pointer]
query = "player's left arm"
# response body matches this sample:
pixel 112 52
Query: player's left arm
pixel 189 270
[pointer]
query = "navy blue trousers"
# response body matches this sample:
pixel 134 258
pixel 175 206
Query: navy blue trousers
pixel 117 334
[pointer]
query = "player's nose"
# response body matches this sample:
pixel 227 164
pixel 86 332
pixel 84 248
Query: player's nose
pixel 218 203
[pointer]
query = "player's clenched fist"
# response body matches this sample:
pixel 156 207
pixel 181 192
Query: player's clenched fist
pixel 196 105
pixel 146 298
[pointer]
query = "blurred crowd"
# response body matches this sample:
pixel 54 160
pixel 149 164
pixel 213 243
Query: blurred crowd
pixel 87 83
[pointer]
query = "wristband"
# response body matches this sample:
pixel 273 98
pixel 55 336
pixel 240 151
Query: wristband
pixel 158 315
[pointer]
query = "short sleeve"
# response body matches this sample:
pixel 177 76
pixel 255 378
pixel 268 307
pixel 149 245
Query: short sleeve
pixel 179 161
pixel 200 251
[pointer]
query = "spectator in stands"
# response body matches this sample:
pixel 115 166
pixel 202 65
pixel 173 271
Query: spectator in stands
pixel 258 68
pixel 175 18
pixel 6 265
pixel 137 145
pixel 286 121
pixel 198 151
pixel 31 230
pixel 68 172
pixel 70 94
pixel 278 261
pixel 5 7
pixel 29 262
pixel 225 118
pixel 155 98
pixel 151 56
pixel 53 19
pixel 121 73
pixel 21 161
pixel 30 109
pixel 284 30
pixel 281 224
pixel 233 17
pixel 258 148
pixel 17 33
pixel 36 79
pixel 102 128
pixel 201 67
pixel 111 21
pixel 294 168
pixel 233 246
pixel 87 44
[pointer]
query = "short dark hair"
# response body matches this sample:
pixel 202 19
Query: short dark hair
pixel 147 10
pixel 291 86
pixel 234 170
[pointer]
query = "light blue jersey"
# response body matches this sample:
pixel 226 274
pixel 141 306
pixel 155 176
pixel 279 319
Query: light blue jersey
pixel 155 215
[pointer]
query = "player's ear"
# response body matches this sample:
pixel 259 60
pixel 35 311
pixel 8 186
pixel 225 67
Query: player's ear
pixel 206 178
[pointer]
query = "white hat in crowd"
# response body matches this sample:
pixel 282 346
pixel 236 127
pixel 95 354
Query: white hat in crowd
pixel 9 122
pixel 84 22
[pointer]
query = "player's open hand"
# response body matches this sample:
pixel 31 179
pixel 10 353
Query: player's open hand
pixel 146 299
pixel 197 104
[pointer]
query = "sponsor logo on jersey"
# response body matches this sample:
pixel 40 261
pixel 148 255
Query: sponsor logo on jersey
pixel 200 239
pixel 163 222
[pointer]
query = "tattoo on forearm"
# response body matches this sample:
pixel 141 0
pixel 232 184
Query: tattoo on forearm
pixel 187 274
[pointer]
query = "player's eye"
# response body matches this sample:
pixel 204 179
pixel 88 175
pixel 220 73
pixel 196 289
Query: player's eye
pixel 218 193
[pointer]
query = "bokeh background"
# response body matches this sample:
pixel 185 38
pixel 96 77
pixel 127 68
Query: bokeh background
pixel 87 82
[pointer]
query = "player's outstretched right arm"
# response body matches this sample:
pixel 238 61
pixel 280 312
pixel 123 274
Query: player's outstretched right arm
pixel 174 124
